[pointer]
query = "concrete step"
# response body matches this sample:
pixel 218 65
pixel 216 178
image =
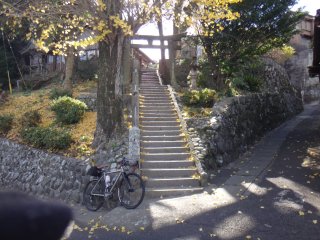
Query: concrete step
pixel 160 128
pixel 165 156
pixel 154 91
pixel 156 87
pixel 162 138
pixel 152 71
pixel 156 99
pixel 153 80
pixel 166 102
pixel 155 95
pixel 160 133
pixel 159 115
pixel 148 84
pixel 168 172
pixel 156 108
pixel 158 111
pixel 160 104
pixel 165 150
pixel 167 164
pixel 170 192
pixel 168 118
pixel 148 106
pixel 144 123
pixel 149 79
pixel 171 182
pixel 157 144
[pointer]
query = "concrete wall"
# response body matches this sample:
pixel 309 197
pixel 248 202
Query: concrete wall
pixel 297 68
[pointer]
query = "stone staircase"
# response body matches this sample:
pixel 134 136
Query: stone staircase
pixel 165 156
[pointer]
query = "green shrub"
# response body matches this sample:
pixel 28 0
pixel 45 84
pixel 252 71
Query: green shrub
pixel 59 92
pixel 68 110
pixel 5 123
pixel 203 98
pixel 46 137
pixel 31 119
pixel 249 77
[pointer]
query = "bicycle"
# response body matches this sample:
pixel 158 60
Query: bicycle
pixel 130 187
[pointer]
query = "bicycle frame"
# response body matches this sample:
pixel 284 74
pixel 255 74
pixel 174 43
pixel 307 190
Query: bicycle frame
pixel 121 173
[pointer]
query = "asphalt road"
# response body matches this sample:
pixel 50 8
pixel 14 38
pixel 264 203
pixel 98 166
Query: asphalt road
pixel 284 204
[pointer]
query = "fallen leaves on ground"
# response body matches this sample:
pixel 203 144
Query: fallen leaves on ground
pixel 82 133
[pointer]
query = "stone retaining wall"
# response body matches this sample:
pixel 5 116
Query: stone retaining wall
pixel 48 175
pixel 90 99
pixel 40 173
pixel 237 123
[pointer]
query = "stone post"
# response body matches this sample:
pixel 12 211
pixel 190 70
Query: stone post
pixel 135 93
pixel 134 145
pixel 134 131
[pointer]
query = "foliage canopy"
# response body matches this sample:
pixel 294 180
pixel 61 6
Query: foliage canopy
pixel 262 26
pixel 59 24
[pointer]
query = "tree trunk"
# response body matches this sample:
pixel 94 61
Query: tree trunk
pixel 218 79
pixel 109 102
pixel 67 83
pixel 109 92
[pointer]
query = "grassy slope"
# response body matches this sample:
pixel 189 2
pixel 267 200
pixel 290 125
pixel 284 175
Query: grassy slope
pixel 82 133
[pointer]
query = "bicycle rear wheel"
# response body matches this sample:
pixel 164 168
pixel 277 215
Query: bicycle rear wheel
pixel 93 202
pixel 131 191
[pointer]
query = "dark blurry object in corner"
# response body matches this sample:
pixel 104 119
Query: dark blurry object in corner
pixel 26 218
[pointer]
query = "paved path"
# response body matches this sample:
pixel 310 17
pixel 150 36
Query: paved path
pixel 273 192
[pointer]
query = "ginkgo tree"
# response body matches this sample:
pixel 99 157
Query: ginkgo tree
pixel 61 25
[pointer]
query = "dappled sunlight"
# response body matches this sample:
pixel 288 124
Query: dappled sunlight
pixel 255 189
pixel 180 209
pixel 287 202
pixel 313 198
pixel 239 221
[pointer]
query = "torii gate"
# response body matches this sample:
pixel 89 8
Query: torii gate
pixel 172 43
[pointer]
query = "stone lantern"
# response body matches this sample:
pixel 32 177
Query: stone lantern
pixel 193 74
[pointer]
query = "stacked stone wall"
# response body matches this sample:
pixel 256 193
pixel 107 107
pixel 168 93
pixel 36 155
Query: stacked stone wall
pixel 236 123
pixel 40 173
pixel 48 175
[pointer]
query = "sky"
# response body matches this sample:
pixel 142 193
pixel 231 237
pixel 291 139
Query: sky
pixel 310 6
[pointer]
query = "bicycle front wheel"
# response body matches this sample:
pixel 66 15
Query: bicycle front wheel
pixel 91 201
pixel 131 191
